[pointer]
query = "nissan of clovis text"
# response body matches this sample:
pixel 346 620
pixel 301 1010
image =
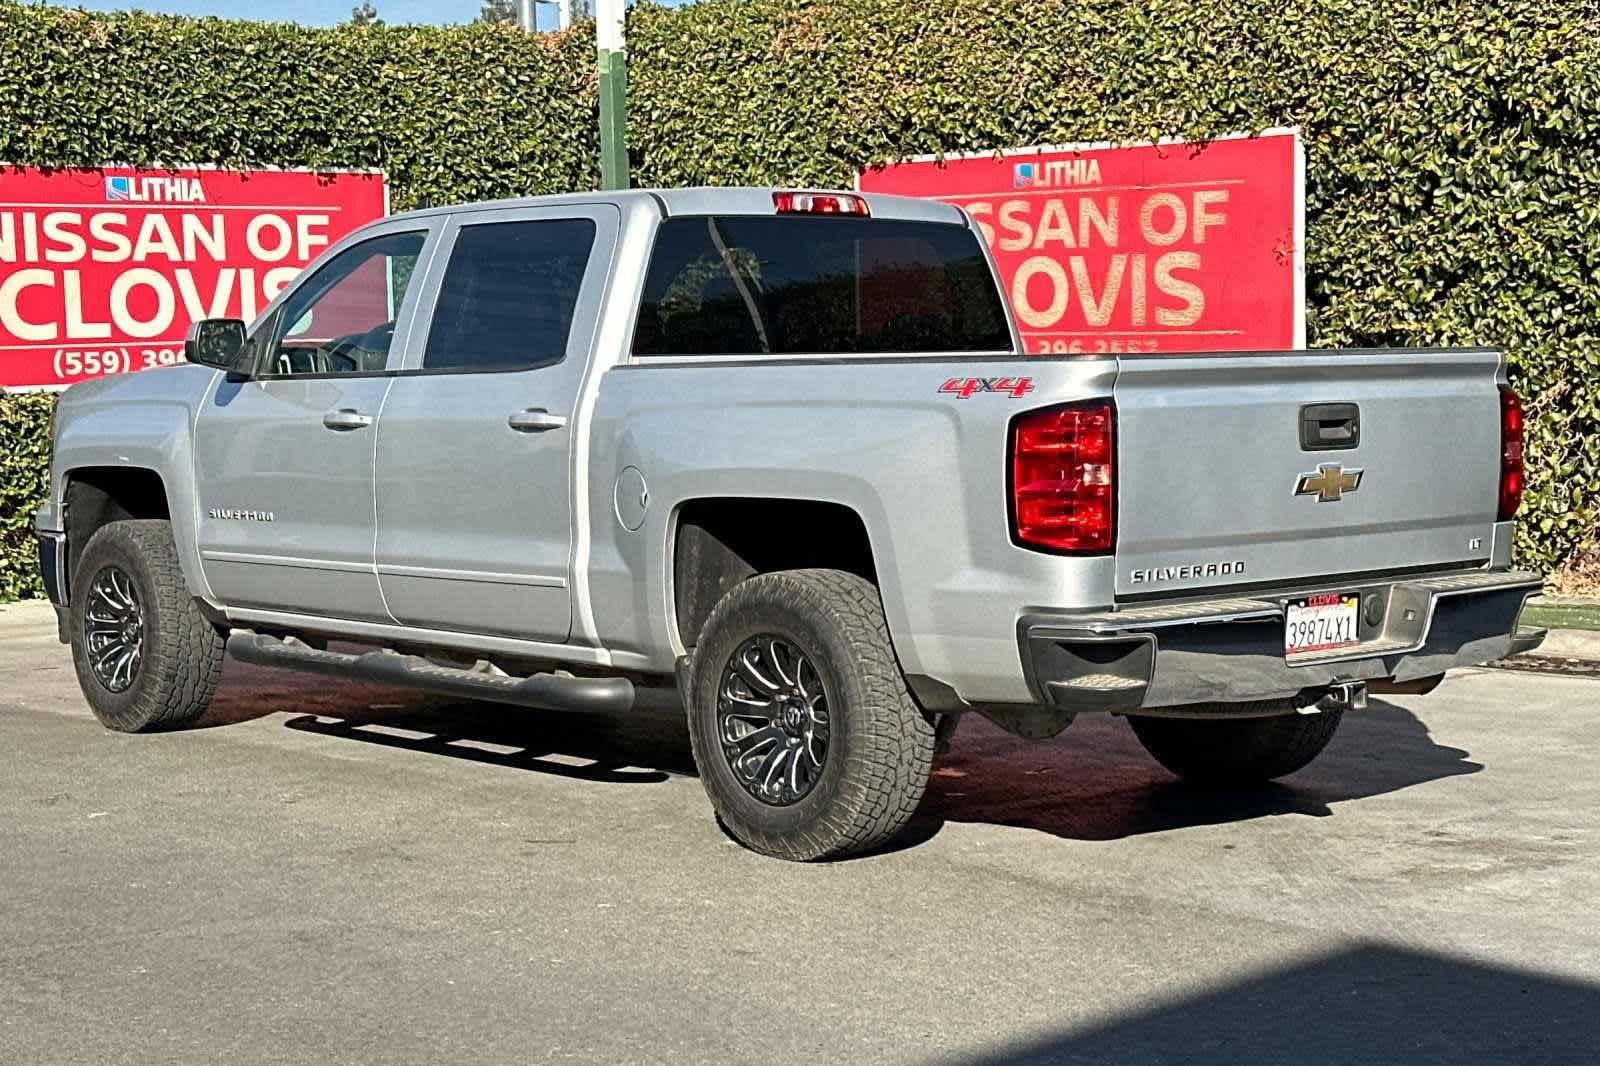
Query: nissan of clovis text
pixel 785 448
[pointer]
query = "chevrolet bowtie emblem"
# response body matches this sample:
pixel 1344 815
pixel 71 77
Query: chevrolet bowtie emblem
pixel 1328 483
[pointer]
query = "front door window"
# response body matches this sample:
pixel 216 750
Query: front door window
pixel 341 320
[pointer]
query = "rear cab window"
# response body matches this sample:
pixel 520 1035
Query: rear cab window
pixel 734 285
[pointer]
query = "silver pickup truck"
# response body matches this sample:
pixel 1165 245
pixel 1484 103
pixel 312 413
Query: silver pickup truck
pixel 784 446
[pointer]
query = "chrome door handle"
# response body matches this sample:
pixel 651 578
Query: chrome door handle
pixel 346 418
pixel 535 420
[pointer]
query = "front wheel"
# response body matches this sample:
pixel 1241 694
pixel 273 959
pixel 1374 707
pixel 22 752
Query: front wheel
pixel 807 740
pixel 1237 751
pixel 147 658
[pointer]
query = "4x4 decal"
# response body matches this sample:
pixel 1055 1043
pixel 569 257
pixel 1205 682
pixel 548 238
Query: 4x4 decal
pixel 965 387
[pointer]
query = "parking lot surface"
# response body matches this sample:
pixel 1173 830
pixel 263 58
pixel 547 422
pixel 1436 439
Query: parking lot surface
pixel 333 873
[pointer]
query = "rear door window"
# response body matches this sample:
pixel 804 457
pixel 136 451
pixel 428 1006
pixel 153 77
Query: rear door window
pixel 508 295
pixel 759 285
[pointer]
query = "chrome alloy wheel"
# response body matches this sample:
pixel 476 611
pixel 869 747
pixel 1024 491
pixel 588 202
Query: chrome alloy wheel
pixel 113 629
pixel 772 716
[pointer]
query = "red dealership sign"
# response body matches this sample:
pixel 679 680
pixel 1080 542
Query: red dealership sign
pixel 1166 247
pixel 102 269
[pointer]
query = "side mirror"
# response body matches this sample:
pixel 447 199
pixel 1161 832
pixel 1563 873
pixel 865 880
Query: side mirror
pixel 214 342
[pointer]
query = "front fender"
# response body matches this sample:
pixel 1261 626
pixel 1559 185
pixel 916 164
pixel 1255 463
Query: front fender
pixel 143 420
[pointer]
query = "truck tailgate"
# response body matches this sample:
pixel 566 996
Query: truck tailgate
pixel 1261 469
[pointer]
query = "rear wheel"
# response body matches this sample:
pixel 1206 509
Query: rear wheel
pixel 1237 751
pixel 147 658
pixel 806 738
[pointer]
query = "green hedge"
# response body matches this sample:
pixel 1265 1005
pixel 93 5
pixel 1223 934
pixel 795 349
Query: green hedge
pixel 24 479
pixel 1453 147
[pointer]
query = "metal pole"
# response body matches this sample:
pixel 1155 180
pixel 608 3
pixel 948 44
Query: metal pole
pixel 525 15
pixel 613 94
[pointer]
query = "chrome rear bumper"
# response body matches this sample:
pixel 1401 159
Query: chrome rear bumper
pixel 1231 650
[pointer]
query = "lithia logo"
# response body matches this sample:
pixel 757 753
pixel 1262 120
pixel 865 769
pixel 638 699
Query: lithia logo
pixel 158 190
pixel 234 515
pixel 1055 174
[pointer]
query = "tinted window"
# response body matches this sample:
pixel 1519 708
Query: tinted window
pixel 787 285
pixel 341 320
pixel 508 295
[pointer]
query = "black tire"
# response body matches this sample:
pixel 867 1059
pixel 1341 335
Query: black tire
pixel 180 652
pixel 1237 751
pixel 879 748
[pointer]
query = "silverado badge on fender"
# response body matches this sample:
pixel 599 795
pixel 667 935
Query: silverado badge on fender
pixel 236 515
pixel 1328 483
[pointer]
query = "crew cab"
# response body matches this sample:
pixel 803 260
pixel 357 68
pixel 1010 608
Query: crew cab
pixel 783 446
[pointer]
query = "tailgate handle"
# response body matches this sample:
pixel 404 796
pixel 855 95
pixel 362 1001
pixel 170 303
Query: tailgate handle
pixel 1326 427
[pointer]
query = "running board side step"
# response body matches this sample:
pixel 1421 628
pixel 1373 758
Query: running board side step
pixel 556 692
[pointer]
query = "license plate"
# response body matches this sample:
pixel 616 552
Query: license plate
pixel 1321 623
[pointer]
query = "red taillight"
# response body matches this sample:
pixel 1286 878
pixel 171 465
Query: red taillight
pixel 1510 453
pixel 819 203
pixel 1062 484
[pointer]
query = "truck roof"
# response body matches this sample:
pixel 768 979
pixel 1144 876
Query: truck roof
pixel 710 200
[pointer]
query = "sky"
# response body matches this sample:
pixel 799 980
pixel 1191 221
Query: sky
pixel 317 12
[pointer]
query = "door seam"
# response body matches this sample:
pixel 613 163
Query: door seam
pixel 372 474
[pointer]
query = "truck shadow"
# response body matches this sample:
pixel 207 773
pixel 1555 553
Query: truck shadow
pixel 1367 1004
pixel 645 746
pixel 1093 783
pixel 1096 783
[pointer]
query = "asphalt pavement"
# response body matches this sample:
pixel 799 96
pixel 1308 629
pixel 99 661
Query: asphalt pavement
pixel 329 873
